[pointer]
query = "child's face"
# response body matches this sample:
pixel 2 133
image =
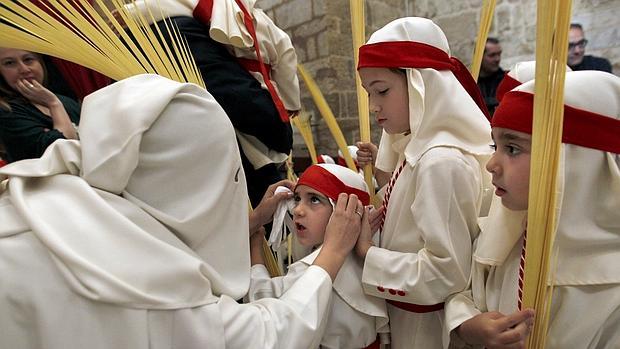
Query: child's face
pixel 388 98
pixel 310 215
pixel 510 167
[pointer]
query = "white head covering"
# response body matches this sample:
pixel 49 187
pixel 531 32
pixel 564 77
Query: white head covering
pixel 588 233
pixel 329 180
pixel 325 159
pixel 519 73
pixel 352 149
pixel 147 215
pixel 441 112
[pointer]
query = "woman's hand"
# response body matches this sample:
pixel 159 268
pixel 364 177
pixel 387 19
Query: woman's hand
pixel 263 213
pixel 36 93
pixel 341 233
pixel 41 97
pixel 370 225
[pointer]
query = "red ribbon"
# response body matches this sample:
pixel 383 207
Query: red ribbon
pixel 331 186
pixel 410 54
pixel 581 127
pixel 203 12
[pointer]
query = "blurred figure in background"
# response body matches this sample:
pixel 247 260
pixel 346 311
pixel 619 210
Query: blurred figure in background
pixel 491 74
pixel 577 58
pixel 31 116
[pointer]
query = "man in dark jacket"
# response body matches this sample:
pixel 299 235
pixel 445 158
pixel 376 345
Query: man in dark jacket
pixel 577 59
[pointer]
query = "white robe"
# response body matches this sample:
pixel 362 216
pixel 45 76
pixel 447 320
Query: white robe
pixel 354 318
pixel 425 252
pixel 35 300
pixel 121 241
pixel 573 323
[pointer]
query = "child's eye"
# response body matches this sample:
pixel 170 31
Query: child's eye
pixel 315 199
pixel 493 146
pixel 296 198
pixel 382 92
pixel 512 150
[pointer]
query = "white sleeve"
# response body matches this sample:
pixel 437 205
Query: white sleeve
pixel 458 309
pixel 296 320
pixel 262 285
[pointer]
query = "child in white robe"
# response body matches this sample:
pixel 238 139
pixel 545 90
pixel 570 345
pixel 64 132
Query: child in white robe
pixel 435 141
pixel 354 318
pixel 586 278
pixel 121 241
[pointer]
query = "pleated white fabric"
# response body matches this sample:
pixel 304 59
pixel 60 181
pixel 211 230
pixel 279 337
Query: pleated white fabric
pixel 136 144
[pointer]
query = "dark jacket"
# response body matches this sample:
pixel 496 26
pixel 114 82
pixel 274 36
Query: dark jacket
pixel 593 63
pixel 23 129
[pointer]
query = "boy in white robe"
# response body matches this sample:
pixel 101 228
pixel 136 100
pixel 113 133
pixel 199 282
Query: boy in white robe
pixel 136 236
pixel 437 135
pixel 354 319
pixel 585 309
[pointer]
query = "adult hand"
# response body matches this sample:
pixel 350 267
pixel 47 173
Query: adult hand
pixel 43 98
pixel 495 330
pixel 263 213
pixel 370 225
pixel 341 233
pixel 36 93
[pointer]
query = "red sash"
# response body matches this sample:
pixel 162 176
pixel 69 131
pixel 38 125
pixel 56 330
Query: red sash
pixel 416 308
pixel 203 11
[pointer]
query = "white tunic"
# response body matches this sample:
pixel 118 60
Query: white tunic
pixel 354 318
pixel 425 252
pixel 573 323
pixel 40 310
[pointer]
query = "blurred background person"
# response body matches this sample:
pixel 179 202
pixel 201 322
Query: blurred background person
pixel 577 58
pixel 31 116
pixel 491 74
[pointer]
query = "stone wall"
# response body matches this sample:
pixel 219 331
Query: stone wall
pixel 321 33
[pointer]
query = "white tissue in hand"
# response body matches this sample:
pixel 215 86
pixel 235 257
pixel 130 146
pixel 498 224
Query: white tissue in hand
pixel 281 220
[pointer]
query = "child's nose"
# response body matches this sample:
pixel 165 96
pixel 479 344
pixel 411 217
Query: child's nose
pixel 298 211
pixel 493 165
pixel 373 107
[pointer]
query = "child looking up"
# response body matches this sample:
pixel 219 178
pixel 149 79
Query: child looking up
pixel 435 141
pixel 354 319
pixel 586 277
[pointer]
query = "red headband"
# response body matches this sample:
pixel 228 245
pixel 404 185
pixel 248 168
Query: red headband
pixel 581 127
pixel 410 54
pixel 507 84
pixel 328 184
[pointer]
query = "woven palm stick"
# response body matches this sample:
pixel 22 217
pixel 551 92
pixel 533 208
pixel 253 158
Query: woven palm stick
pixel 77 32
pixel 359 37
pixel 486 19
pixel 270 260
pixel 327 115
pixel 302 123
pixel 553 18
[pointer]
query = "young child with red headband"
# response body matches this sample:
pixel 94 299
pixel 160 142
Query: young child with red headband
pixel 435 142
pixel 354 319
pixel 586 276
